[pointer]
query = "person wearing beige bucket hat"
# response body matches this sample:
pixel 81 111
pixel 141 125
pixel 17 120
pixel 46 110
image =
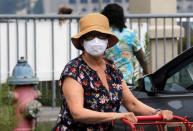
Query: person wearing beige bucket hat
pixel 94 22
pixel 92 87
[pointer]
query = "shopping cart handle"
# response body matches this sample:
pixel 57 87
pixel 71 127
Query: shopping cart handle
pixel 158 120
pixel 146 118
pixel 154 118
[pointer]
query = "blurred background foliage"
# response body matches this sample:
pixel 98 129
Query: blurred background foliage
pixel 7 114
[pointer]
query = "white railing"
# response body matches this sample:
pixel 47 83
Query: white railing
pixel 47 47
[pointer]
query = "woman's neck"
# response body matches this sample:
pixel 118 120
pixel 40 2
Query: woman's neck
pixel 93 61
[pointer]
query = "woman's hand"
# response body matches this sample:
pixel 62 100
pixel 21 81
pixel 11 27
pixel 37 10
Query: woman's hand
pixel 166 114
pixel 129 116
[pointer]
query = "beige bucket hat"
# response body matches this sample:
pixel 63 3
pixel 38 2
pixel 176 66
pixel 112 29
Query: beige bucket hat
pixel 94 22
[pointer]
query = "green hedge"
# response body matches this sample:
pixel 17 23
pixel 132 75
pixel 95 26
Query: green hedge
pixel 7 114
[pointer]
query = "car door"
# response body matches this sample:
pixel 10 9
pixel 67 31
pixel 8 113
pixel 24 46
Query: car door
pixel 171 86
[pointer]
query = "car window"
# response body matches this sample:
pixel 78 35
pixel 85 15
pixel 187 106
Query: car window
pixel 181 81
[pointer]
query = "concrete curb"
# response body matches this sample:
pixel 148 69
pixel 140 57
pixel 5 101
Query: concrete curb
pixel 48 114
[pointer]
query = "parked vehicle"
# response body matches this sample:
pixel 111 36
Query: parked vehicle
pixel 170 87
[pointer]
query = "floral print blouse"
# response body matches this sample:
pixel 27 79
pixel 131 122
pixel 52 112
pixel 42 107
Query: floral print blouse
pixel 96 96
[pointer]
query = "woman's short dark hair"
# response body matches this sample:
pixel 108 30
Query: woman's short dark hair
pixel 115 15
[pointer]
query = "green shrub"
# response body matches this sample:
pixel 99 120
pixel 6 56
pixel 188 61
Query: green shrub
pixel 184 45
pixel 45 126
pixel 7 114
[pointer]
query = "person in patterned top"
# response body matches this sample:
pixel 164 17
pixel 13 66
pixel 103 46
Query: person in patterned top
pixel 92 87
pixel 128 48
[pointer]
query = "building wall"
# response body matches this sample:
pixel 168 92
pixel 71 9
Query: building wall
pixel 184 6
pixel 79 6
pixel 83 6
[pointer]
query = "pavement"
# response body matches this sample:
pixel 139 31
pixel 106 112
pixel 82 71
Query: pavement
pixel 48 114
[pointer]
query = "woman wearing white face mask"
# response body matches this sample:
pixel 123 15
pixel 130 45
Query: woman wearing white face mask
pixel 92 87
pixel 96 46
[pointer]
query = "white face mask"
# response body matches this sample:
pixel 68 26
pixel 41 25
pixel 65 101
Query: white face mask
pixel 96 46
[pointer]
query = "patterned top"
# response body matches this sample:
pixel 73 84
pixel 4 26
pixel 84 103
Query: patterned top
pixel 123 53
pixel 96 96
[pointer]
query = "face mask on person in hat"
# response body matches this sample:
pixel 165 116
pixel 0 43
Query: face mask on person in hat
pixel 96 46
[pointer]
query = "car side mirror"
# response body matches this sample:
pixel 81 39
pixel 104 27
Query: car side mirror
pixel 148 84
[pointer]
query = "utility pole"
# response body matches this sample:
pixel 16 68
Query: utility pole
pixel 28 6
pixel 100 5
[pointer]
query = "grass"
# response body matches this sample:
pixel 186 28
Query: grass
pixel 7 115
pixel 46 89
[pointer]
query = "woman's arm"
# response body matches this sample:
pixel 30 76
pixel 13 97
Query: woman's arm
pixel 73 93
pixel 134 105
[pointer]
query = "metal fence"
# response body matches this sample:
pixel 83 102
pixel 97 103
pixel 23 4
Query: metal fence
pixel 45 43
